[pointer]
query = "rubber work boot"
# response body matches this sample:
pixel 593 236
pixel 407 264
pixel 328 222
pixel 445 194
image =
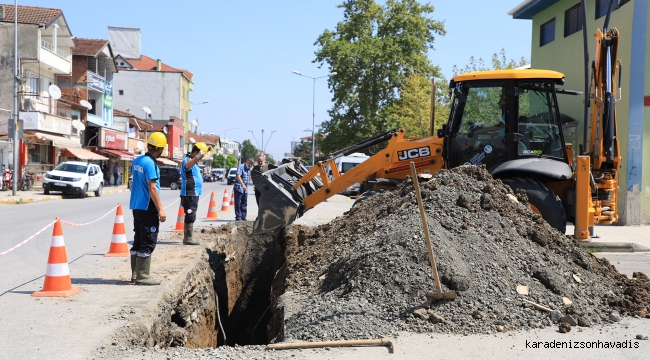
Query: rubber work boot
pixel 133 268
pixel 188 232
pixel 142 266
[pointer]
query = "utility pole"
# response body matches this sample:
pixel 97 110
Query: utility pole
pixel 14 185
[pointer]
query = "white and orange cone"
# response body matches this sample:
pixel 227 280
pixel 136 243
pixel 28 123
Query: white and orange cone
pixel 212 208
pixel 119 247
pixel 180 220
pixel 57 275
pixel 232 197
pixel 225 204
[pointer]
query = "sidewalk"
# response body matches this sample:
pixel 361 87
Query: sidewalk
pixel 36 195
pixel 617 238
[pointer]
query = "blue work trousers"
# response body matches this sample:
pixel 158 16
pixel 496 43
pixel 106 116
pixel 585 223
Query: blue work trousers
pixel 241 204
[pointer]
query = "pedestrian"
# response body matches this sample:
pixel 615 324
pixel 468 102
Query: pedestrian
pixel 116 174
pixel 107 175
pixel 261 168
pixel 147 209
pixel 191 189
pixel 240 189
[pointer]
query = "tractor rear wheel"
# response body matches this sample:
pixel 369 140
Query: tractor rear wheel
pixel 542 200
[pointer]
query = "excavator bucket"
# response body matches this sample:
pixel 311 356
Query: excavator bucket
pixel 280 204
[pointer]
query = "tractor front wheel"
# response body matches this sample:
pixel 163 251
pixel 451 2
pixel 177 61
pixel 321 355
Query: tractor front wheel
pixel 542 200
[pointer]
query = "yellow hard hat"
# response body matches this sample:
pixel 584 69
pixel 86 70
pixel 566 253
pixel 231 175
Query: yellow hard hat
pixel 157 139
pixel 203 147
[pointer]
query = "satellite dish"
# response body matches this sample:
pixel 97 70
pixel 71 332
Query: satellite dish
pixel 54 91
pixel 78 125
pixel 147 110
pixel 86 104
pixel 195 123
pixel 192 140
pixel 165 130
pixel 140 145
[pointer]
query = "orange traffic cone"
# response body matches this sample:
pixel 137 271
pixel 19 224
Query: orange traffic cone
pixel 232 197
pixel 180 220
pixel 57 276
pixel 225 204
pixel 212 208
pixel 118 241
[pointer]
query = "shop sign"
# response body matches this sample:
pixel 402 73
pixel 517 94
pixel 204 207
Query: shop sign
pixel 44 122
pixel 96 82
pixel 113 139
pixel 108 95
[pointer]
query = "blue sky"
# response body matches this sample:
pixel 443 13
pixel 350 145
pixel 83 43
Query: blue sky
pixel 242 52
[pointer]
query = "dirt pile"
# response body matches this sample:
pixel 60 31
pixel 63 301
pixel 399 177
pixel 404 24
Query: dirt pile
pixel 367 272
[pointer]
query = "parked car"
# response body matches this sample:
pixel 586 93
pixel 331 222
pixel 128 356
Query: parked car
pixel 218 174
pixel 170 177
pixel 74 177
pixel 345 164
pixel 232 174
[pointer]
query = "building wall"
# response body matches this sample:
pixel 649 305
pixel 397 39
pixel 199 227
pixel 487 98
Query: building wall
pixel 28 46
pixel 160 91
pixel 566 55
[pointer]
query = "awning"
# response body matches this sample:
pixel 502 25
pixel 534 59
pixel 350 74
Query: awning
pixel 167 161
pixel 59 141
pixel 85 154
pixel 124 155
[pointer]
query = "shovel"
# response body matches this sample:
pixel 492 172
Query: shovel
pixel 447 295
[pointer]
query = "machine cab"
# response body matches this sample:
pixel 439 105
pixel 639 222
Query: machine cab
pixel 503 115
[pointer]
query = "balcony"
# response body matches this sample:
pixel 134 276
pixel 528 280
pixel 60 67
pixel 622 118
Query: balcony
pixel 59 60
pixel 45 105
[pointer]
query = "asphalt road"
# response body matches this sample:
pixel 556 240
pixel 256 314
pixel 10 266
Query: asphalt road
pixel 19 222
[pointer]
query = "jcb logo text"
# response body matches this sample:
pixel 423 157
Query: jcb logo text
pixel 414 153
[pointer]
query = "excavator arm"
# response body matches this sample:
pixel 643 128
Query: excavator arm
pixel 289 190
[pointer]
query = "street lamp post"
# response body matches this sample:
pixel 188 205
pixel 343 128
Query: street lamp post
pixel 267 142
pixel 313 112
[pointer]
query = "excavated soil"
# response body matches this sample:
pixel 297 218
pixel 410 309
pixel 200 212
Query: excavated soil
pixel 367 272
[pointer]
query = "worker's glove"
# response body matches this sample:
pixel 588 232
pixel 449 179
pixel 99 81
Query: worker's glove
pixel 200 155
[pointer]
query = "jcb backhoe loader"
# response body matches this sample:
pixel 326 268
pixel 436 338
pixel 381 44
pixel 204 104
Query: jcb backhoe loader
pixel 507 120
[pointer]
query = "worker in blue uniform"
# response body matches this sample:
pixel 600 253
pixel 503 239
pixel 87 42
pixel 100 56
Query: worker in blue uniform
pixel 191 189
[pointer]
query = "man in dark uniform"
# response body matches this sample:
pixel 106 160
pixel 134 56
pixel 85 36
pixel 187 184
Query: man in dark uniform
pixel 191 189
pixel 147 209
pixel 262 168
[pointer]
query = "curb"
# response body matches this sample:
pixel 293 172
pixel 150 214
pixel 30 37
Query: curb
pixel 28 200
pixel 615 247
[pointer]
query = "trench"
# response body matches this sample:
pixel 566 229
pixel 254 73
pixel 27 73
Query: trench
pixel 237 272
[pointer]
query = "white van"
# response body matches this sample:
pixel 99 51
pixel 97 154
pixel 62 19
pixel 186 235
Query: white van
pixel 345 164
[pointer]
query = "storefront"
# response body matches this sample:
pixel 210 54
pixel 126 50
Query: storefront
pixel 113 144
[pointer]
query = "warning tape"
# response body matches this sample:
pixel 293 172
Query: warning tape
pixel 29 238
pixel 88 223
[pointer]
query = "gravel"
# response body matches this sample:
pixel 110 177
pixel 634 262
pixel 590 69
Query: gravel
pixel 367 273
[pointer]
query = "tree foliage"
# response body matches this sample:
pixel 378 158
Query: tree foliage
pixel 375 50
pixel 231 162
pixel 248 151
pixel 218 160
pixel 499 62
pixel 303 151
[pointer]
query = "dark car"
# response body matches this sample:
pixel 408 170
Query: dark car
pixel 169 177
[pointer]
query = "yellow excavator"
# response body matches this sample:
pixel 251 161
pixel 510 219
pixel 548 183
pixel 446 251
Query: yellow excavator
pixel 507 120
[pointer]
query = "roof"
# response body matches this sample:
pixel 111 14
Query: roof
pixel 509 74
pixel 145 63
pixel 198 138
pixel 31 14
pixel 212 139
pixel 88 47
pixel 528 8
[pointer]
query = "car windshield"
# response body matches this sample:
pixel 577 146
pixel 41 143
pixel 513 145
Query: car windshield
pixel 73 168
pixel 346 166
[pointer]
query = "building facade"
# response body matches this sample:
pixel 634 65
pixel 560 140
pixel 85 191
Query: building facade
pixel 557 44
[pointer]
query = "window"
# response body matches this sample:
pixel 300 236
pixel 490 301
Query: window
pixel 572 20
pixel 38 154
pixel 121 92
pixel 547 32
pixel 622 2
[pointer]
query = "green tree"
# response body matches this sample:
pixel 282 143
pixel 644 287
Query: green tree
pixel 374 50
pixel 218 160
pixel 248 151
pixel 270 160
pixel 499 62
pixel 231 162
pixel 303 151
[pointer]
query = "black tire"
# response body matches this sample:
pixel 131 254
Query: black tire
pixel 173 186
pixel 367 195
pixel 46 191
pixel 543 198
pixel 82 195
pixel 98 192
